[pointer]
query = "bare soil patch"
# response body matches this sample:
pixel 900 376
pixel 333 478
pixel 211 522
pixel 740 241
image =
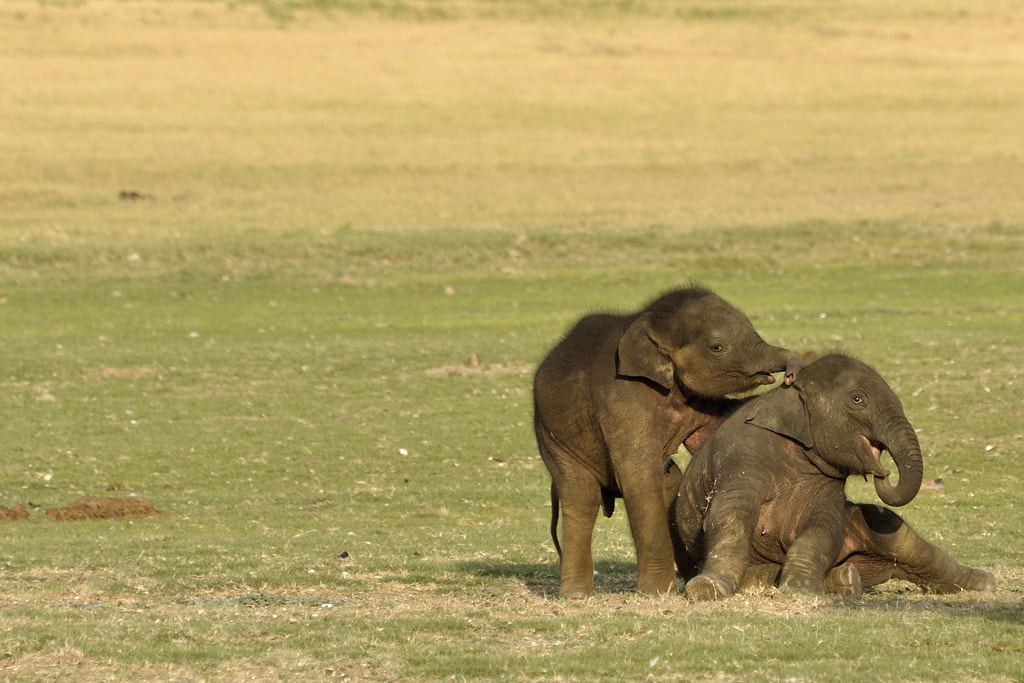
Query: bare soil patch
pixel 17 512
pixel 104 507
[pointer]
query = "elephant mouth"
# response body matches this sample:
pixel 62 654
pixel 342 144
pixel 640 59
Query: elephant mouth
pixel 872 457
pixel 763 378
pixel 876 448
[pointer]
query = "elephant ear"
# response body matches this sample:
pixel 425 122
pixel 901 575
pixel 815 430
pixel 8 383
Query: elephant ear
pixel 782 411
pixel 640 356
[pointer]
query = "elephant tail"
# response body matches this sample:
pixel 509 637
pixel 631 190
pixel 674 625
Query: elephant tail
pixel 554 519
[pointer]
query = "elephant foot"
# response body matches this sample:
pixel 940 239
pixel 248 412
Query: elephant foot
pixel 705 588
pixel 659 586
pixel 760 576
pixel 980 580
pixel 975 580
pixel 805 586
pixel 844 580
pixel 574 593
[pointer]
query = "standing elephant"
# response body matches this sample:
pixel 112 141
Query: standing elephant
pixel 617 396
pixel 878 545
pixel 768 485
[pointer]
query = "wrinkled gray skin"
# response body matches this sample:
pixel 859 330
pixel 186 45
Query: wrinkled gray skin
pixel 768 486
pixel 617 396
pixel 878 545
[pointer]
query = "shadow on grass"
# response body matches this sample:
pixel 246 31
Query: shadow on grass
pixel 541 579
pixel 996 606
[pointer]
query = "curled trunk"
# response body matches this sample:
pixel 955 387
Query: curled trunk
pixel 902 444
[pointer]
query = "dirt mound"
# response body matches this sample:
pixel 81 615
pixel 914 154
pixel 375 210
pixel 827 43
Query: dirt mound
pixel 101 507
pixel 17 512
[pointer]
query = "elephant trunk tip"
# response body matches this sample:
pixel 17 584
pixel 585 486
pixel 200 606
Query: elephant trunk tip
pixel 900 493
pixel 794 364
pixel 910 473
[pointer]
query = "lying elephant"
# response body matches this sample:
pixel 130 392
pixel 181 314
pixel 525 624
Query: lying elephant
pixel 766 490
pixel 617 396
pixel 878 545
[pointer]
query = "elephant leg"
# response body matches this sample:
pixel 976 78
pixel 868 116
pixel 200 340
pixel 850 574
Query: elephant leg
pixel 814 551
pixel 728 530
pixel 687 545
pixel 760 576
pixel 684 523
pixel 844 580
pixel 579 513
pixel 884 547
pixel 576 493
pixel 673 480
pixel 648 522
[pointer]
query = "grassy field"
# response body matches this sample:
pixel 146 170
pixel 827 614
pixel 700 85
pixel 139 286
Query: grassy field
pixel 327 209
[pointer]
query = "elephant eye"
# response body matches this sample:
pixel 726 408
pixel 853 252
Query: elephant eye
pixel 717 348
pixel 858 399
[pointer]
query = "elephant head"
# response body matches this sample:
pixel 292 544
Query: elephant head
pixel 845 414
pixel 697 340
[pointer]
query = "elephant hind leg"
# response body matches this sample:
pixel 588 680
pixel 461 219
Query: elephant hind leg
pixel 844 580
pixel 841 580
pixel 576 578
pixel 576 497
pixel 968 579
pixel 760 576
pixel 886 547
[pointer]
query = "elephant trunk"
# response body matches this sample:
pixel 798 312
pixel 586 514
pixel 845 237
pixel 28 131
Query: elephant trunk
pixel 902 444
pixel 775 359
pixel 794 364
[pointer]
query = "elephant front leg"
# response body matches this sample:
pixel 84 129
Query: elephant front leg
pixel 728 530
pixel 648 522
pixel 813 554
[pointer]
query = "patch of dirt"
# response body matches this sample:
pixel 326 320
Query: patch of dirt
pixel 104 507
pixel 17 512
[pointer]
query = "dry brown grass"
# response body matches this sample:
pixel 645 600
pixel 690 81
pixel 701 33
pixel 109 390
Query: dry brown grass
pixel 793 113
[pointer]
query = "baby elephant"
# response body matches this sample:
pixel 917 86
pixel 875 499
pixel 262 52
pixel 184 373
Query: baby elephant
pixel 617 396
pixel 877 546
pixel 767 489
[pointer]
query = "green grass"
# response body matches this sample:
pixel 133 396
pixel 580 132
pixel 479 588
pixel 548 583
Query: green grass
pixel 272 348
pixel 269 412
